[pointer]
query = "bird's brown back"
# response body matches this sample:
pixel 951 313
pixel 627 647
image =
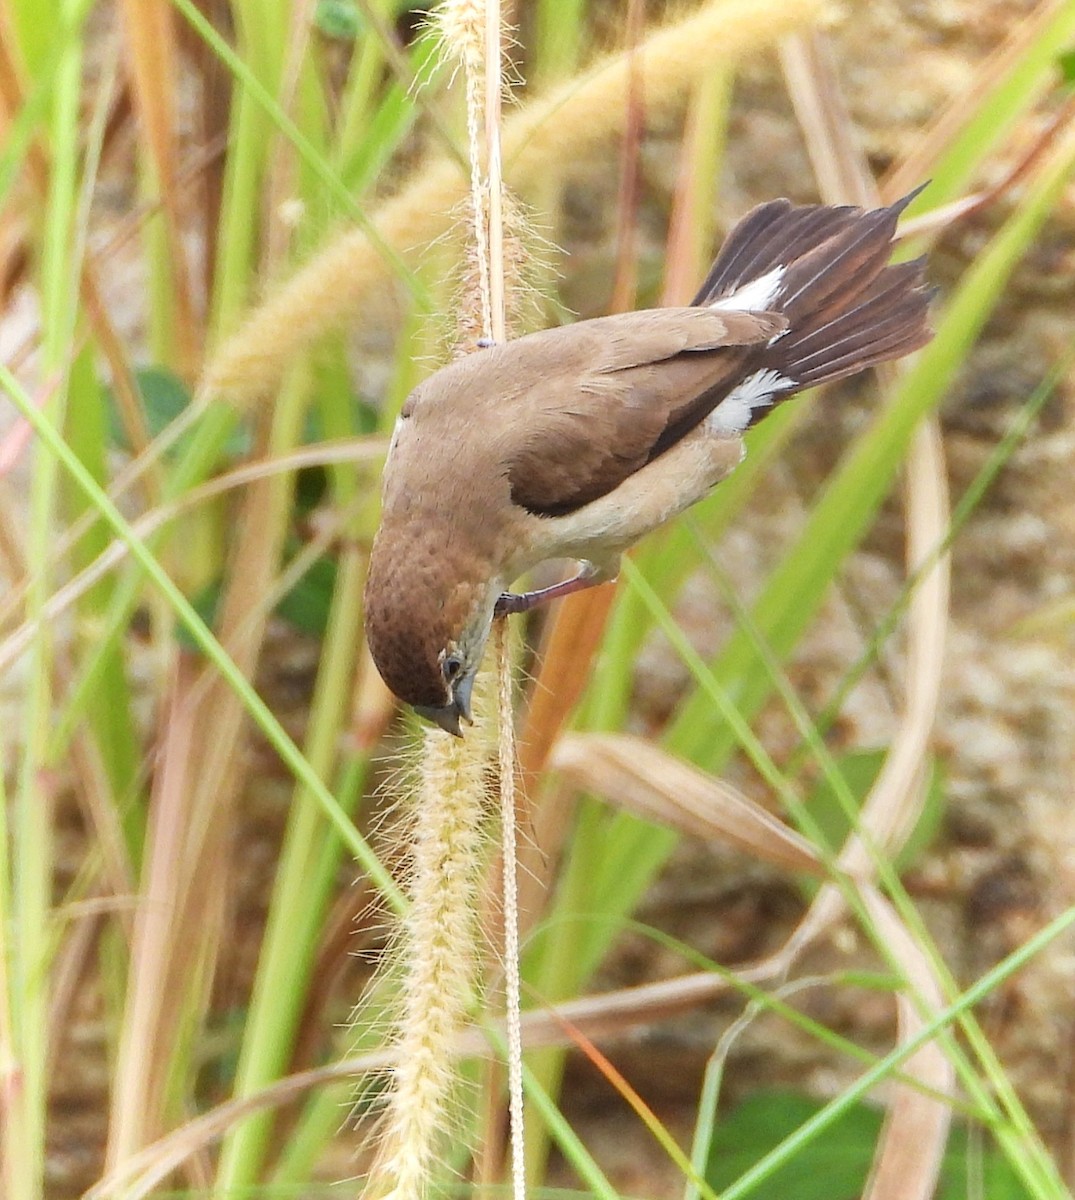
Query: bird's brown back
pixel 562 417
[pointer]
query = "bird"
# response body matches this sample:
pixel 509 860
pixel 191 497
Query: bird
pixel 576 441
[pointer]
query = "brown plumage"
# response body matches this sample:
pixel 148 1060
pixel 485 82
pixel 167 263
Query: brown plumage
pixel 574 442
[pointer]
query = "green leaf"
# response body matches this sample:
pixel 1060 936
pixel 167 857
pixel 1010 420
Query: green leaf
pixel 338 19
pixel 165 397
pixel 205 604
pixel 307 605
pixel 835 1164
pixel 1066 62
pixel 859 769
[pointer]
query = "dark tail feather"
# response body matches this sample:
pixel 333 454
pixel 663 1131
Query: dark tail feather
pixel 778 233
pixel 771 235
pixel 846 308
pixel 886 320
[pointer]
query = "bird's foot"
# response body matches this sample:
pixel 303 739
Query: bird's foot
pixel 517 602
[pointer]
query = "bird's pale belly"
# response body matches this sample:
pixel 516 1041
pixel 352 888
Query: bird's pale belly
pixel 600 531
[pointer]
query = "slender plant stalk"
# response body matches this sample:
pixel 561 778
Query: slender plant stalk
pixel 509 860
pixel 507 758
pixel 440 942
pixel 494 169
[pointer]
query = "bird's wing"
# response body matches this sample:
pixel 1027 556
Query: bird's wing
pixel 653 335
pixel 614 395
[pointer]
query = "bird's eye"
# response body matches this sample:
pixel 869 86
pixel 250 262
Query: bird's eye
pixel 452 665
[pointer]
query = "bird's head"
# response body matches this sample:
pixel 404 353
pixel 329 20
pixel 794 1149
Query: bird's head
pixel 457 664
pixel 427 632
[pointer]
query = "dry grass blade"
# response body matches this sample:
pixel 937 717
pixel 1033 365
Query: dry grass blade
pixel 649 782
pixel 601 1016
pixel 910 1152
pixel 908 1159
pixel 14 443
pixel 594 1016
pixel 938 219
pixel 895 801
pixel 565 657
pixel 157 958
pixel 13 97
pixel 373 705
pixel 625 277
pixel 688 246
pixel 824 119
pixel 153 67
pixel 611 1014
pixel 103 817
pixel 74 961
pixel 137 1176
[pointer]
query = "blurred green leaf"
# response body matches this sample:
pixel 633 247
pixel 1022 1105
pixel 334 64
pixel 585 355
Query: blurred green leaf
pixel 338 19
pixel 859 769
pixel 836 1163
pixel 833 1166
pixel 165 397
pixel 1066 63
pixel 205 604
pixel 307 605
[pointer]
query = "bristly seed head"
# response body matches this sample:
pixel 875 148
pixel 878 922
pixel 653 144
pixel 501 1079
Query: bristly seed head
pixel 460 25
pixel 528 266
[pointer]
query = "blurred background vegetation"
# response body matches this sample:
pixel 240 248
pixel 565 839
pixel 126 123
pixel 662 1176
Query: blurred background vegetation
pixel 231 241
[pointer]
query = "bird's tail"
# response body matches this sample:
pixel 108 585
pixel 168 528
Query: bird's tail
pixel 825 269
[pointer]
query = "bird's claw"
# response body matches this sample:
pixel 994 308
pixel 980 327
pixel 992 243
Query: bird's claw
pixel 510 602
pixel 517 602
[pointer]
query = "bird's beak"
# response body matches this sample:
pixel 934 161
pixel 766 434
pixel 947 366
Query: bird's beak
pixel 448 716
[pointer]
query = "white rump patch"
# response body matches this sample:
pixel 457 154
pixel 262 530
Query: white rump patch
pixel 732 415
pixel 759 295
pixel 395 437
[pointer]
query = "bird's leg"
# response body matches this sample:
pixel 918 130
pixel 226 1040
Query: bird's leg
pixel 516 602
